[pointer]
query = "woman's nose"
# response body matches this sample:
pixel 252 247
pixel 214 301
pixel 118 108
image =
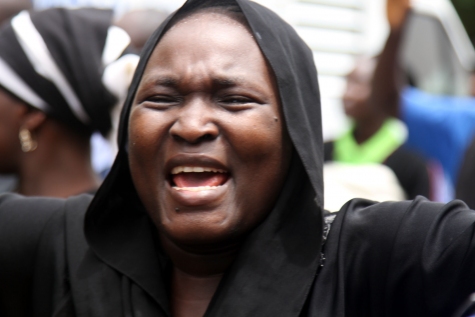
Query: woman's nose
pixel 195 124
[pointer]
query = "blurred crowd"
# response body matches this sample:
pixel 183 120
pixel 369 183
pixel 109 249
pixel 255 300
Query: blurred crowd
pixel 403 140
pixel 59 111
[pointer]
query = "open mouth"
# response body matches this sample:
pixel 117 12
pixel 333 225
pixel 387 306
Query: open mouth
pixel 197 178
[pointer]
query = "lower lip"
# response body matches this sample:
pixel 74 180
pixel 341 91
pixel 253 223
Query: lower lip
pixel 207 197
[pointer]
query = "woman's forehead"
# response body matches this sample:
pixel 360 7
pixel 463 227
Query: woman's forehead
pixel 204 17
pixel 232 13
pixel 220 40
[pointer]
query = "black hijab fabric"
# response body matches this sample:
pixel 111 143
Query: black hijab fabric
pixel 390 259
pixel 281 256
pixel 75 41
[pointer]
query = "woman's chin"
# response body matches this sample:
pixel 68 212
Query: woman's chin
pixel 200 228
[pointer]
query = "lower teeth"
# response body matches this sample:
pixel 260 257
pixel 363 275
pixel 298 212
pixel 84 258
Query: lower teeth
pixel 196 189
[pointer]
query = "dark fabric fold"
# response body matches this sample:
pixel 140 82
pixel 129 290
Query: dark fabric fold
pixel 391 259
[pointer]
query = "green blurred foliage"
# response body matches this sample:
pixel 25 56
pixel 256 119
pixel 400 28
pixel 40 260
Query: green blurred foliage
pixel 466 11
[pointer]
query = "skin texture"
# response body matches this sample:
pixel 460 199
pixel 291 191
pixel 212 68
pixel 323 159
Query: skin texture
pixel 59 167
pixel 472 83
pixel 367 117
pixel 61 164
pixel 9 8
pixel 388 80
pixel 11 111
pixel 396 11
pixel 207 98
pixel 358 89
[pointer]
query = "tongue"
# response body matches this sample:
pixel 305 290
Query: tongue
pixel 199 179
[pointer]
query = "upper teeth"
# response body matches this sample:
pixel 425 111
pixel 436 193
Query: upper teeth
pixel 195 169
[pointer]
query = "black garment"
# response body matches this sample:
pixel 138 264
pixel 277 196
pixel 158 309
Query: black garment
pixel 465 189
pixel 388 259
pixel 7 183
pixel 57 259
pixel 410 170
pixel 397 259
pixel 75 40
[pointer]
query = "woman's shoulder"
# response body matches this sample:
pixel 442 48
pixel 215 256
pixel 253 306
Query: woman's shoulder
pixel 413 232
pixel 36 210
pixel 24 220
pixel 33 233
pixel 25 217
pixel 362 212
pixel 413 218
pixel 388 252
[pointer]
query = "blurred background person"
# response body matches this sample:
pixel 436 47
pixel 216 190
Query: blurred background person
pixel 139 18
pixel 9 8
pixel 436 51
pixel 119 7
pixel 140 25
pixel 465 188
pixel 54 93
pixel 372 150
pixel 440 126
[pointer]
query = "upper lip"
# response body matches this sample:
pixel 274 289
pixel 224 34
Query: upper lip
pixel 194 160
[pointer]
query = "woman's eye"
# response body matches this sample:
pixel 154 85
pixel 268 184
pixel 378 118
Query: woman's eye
pixel 236 100
pixel 236 103
pixel 160 101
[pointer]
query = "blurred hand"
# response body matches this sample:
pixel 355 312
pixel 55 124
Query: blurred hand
pixel 396 11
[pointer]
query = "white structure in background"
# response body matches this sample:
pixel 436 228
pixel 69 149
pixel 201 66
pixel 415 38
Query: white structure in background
pixel 437 51
pixel 337 31
pixel 119 6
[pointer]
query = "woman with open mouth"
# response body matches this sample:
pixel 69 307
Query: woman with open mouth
pixel 214 204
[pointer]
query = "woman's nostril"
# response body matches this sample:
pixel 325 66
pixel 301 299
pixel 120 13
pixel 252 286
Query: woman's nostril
pixel 195 139
pixel 193 131
pixel 207 137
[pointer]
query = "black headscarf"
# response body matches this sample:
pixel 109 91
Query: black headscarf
pixel 54 61
pixel 279 260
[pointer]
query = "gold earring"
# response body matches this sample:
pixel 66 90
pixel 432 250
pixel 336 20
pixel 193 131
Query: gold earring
pixel 27 142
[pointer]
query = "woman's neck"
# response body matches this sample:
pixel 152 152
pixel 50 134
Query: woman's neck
pixel 57 179
pixel 196 275
pixel 59 167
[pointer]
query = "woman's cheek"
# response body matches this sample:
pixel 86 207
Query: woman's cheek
pixel 264 138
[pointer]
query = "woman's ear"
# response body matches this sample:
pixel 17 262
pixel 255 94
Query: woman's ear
pixel 33 119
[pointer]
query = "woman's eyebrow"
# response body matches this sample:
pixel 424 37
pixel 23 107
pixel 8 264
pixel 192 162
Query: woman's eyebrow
pixel 223 82
pixel 166 81
pixel 169 81
pixel 151 81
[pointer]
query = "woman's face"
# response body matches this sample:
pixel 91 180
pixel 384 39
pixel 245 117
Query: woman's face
pixel 208 149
